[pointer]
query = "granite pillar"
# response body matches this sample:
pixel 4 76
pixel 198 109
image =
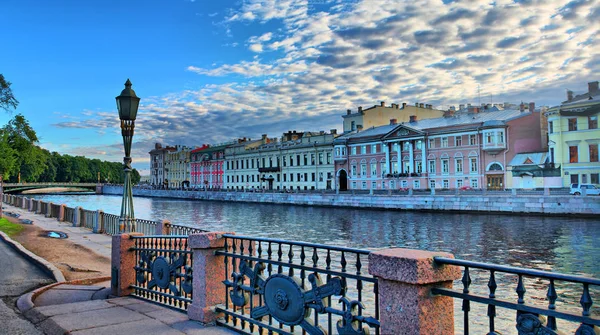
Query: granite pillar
pixel 122 263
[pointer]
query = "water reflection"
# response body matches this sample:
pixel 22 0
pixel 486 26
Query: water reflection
pixel 567 245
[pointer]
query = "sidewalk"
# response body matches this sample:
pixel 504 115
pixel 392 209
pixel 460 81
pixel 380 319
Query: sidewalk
pixel 87 309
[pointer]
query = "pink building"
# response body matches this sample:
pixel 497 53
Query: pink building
pixel 207 166
pixel 457 150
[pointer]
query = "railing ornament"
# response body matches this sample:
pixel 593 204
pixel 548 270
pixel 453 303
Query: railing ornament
pixel 287 301
pixel 530 324
pixel 164 271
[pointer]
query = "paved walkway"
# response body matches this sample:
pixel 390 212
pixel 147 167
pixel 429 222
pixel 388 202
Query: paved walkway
pixel 86 309
pixel 17 276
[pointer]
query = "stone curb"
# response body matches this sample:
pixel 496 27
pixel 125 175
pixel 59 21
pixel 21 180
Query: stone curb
pixel 25 302
pixel 48 267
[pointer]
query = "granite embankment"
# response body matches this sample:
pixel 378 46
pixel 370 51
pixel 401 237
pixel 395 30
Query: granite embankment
pixel 529 204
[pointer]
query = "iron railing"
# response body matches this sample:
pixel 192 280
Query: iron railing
pixel 34 205
pixel 43 209
pixel 69 214
pixel 87 218
pixel 54 210
pixel 284 287
pixel 183 230
pixel 110 224
pixel 147 227
pixel 163 270
pixel 531 318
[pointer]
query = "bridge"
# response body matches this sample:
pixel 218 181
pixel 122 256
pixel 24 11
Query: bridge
pixel 19 187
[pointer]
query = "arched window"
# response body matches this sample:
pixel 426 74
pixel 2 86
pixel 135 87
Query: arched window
pixel 495 167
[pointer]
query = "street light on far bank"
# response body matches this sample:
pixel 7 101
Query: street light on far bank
pixel 127 104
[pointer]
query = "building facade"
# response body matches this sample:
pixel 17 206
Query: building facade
pixel 207 166
pixel 177 167
pixel 158 157
pixel 456 151
pixel 380 115
pixel 574 137
pixel 299 161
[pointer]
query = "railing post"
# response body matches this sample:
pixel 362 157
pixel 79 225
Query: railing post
pixel 122 263
pixel 76 216
pixel 97 227
pixel 30 205
pixel 209 272
pixel 405 278
pixel 163 227
pixel 25 203
pixel 61 213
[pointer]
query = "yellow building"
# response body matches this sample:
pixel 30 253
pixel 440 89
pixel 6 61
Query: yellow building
pixel 380 115
pixel 573 136
pixel 177 167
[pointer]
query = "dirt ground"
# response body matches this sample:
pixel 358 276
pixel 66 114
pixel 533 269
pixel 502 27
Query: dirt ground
pixel 73 260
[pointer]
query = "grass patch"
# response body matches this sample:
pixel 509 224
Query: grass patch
pixel 11 229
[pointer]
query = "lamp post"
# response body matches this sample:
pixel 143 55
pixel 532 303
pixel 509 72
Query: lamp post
pixel 127 104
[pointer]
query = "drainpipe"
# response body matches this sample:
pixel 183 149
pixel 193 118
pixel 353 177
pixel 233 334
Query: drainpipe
pixel 505 151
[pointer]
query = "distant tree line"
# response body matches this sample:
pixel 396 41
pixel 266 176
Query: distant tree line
pixel 19 153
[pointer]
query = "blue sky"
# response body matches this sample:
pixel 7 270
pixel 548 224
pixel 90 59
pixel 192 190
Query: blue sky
pixel 211 71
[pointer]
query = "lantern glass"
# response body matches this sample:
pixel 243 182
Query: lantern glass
pixel 127 103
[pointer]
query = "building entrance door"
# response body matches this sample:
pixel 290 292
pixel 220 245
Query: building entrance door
pixel 495 182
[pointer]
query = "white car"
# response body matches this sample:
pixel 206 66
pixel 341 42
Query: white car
pixel 590 189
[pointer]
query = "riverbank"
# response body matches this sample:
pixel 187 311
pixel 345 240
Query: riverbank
pixel 552 205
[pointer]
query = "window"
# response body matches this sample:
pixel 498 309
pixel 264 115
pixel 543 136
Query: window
pixel 404 184
pixel 432 166
pixel 353 185
pixel 458 141
pixel 291 177
pixel 364 185
pixel 383 184
pixel 374 148
pixel 329 156
pixel 593 152
pixel 373 185
pixel 458 165
pixel 445 167
pixel 444 142
pixel 354 150
pixel 306 177
pixel 394 167
pixel 291 160
pixel 419 167
pixel 459 183
pixel 416 184
pixel 312 159
pixel 472 139
pixel 473 165
pixel 284 177
pixel 593 122
pixel 363 150
pixel 500 137
pixel 353 126
pixel 320 176
pixel 383 171
pixel 573 124
pixel 419 145
pixel 432 184
pixel 574 178
pixel 594 178
pixel 573 154
pixel 550 127
pixel 431 143
pixel 392 184
pixel 363 169
pixel 474 183
pixel 445 183
pixel 551 155
pixel 305 160
pixel 312 176
pixel 298 160
pixel 353 170
pixel 373 169
pixel 406 146
pixel 489 138
pixel 320 158
pixel 337 151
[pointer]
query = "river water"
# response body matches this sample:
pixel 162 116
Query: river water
pixel 561 244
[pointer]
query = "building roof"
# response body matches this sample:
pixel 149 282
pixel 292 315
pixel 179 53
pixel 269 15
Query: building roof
pixel 497 118
pixel 529 158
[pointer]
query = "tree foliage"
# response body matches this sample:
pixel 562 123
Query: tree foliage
pixel 7 99
pixel 20 153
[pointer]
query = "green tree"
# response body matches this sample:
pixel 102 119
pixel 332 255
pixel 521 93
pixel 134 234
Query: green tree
pixel 31 161
pixel 7 99
pixel 8 161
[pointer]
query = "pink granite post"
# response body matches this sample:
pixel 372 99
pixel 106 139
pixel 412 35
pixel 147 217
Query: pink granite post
pixel 163 228
pixel 61 213
pixel 122 263
pixel 406 304
pixel 209 273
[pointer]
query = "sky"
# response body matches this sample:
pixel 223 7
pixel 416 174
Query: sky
pixel 211 71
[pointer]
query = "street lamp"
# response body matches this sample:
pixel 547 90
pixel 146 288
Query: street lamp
pixel 127 104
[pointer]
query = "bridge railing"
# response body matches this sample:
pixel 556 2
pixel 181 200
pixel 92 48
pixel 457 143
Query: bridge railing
pixel 69 214
pixel 87 218
pixel 110 224
pixel 55 210
pixel 146 227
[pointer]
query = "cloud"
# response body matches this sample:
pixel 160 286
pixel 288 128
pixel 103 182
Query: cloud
pixel 318 61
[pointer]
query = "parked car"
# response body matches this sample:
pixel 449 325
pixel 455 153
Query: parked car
pixel 590 189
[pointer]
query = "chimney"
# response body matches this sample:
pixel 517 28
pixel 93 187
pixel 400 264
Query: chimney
pixel 395 106
pixel 403 105
pixel 358 127
pixel 593 87
pixel 360 109
pixel 383 104
pixel 393 121
pixel 264 137
pixel 416 104
pixel 569 95
pixel 461 106
pixel 348 111
pixel 449 113
pixel 413 118
pixel 532 107
pixel 421 105
pixel 522 106
pixel 333 131
pixel 321 132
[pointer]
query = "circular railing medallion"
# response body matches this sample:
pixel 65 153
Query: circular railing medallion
pixel 285 299
pixel 161 272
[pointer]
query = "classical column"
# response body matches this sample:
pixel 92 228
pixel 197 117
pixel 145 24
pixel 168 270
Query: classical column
pixel 423 157
pixel 411 155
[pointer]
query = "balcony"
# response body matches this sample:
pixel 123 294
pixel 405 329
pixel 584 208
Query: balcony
pixel 340 159
pixel 493 148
